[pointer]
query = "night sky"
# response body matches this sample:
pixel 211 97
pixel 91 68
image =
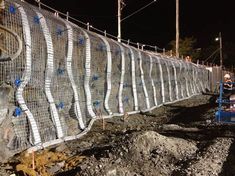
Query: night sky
pixel 155 25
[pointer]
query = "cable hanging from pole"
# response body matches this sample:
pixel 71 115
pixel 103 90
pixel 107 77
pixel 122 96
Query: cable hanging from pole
pixel 142 8
pixel 98 30
pixel 215 52
pixel 123 4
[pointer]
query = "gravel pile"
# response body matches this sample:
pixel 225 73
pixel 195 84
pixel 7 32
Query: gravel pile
pixel 211 161
pixel 144 153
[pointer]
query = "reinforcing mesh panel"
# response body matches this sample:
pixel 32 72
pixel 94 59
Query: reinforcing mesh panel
pixel 66 77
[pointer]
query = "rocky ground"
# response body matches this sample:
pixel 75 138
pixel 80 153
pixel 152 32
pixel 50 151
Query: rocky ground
pixel 176 139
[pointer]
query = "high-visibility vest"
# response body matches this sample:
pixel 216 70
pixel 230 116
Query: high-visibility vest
pixel 227 84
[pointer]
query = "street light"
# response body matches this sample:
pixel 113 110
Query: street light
pixel 221 52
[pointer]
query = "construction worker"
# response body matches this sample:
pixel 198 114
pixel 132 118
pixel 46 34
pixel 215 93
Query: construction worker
pixel 228 86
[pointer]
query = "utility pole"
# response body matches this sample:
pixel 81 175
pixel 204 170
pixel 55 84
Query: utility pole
pixel 119 21
pixel 221 52
pixel 177 30
pixel 221 55
pixel 121 5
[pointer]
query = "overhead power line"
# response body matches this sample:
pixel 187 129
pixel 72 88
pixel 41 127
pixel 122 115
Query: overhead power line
pixel 40 4
pixel 142 8
pixel 123 4
pixel 215 52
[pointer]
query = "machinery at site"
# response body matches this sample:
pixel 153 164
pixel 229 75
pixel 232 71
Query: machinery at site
pixel 226 104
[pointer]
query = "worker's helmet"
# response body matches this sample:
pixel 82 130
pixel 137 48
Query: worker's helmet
pixel 227 76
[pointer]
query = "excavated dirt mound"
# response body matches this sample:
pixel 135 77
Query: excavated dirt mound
pixel 144 153
pixel 142 145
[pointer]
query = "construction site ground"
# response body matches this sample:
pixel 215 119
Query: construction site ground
pixel 176 139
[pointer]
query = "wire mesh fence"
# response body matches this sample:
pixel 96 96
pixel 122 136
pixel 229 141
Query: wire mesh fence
pixel 67 76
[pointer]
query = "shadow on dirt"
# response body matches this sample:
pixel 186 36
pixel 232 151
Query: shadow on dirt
pixel 72 172
pixel 189 115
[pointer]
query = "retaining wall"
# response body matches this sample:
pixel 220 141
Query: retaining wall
pixel 66 77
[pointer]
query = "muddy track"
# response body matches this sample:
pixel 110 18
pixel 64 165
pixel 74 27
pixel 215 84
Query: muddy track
pixel 214 141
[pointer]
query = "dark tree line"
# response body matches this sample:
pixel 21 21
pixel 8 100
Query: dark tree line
pixel 209 54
